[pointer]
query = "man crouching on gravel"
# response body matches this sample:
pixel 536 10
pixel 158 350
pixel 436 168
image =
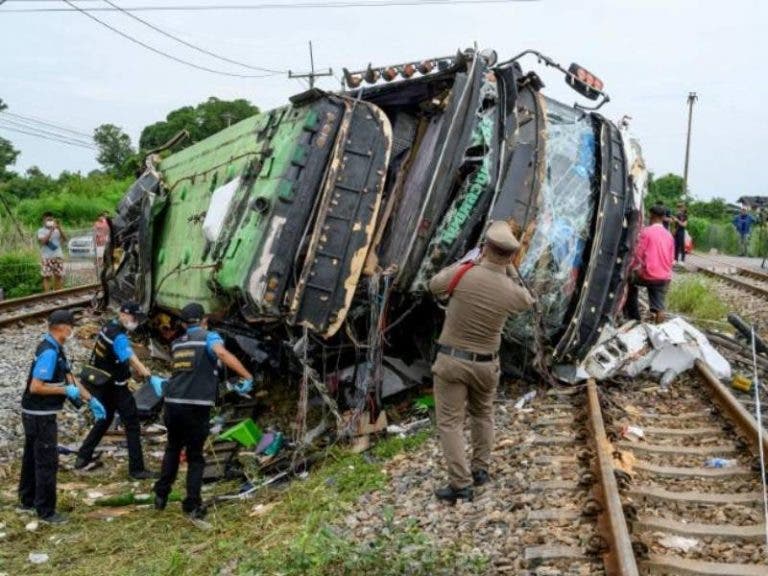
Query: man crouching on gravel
pixel 481 295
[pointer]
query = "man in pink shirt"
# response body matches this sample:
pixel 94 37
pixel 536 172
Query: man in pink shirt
pixel 652 266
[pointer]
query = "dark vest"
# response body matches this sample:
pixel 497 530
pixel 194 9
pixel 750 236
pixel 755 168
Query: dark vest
pixel 38 404
pixel 194 376
pixel 104 357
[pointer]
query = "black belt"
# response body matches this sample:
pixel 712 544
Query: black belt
pixel 466 354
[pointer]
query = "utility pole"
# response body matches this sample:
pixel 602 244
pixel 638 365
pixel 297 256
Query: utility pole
pixel 692 97
pixel 312 74
pixel 228 116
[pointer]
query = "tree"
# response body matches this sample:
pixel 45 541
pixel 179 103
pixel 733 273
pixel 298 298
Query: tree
pixel 8 153
pixel 115 149
pixel 200 121
pixel 715 209
pixel 668 190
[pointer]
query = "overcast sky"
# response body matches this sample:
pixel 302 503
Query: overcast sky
pixel 66 68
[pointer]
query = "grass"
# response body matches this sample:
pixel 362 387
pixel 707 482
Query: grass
pixel 297 535
pixel 695 298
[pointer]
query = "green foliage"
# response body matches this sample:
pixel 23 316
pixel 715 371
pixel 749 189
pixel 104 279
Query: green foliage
pixel 20 274
pixel 714 209
pixel 8 155
pixel 394 445
pixel 78 199
pixel 32 184
pixel 668 190
pixel 695 298
pixel 758 241
pixel 200 121
pixel 394 551
pixel 115 150
pixel 706 234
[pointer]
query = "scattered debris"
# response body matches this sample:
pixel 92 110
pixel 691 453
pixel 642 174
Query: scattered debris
pixel 741 382
pixel 678 543
pixel 108 514
pixel 721 463
pixel 246 433
pixel 527 397
pixel 38 557
pixel 32 526
pixel 632 433
pixel 403 430
pixel 666 349
pixel 261 509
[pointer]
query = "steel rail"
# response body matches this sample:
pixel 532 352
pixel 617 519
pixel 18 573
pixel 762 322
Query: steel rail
pixel 5 321
pixel 70 296
pixel 742 270
pixel 733 409
pixel 620 557
pixel 756 290
pixel 14 302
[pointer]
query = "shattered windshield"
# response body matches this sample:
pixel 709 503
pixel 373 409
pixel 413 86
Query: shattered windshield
pixel 565 209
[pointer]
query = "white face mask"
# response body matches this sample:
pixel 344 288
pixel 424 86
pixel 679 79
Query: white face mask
pixel 131 326
pixel 69 336
pixel 49 223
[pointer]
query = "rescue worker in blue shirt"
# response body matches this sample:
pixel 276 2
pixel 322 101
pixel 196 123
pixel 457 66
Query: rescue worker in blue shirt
pixel 113 354
pixel 189 394
pixel 49 382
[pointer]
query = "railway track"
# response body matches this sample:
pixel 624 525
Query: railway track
pixel 31 307
pixel 565 529
pixel 747 279
pixel 671 511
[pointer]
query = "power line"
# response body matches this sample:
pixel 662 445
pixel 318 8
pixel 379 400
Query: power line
pixel 28 126
pixel 158 51
pixel 43 137
pixel 267 6
pixel 189 44
pixel 58 127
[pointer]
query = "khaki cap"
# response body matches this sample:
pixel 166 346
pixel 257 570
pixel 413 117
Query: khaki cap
pixel 500 235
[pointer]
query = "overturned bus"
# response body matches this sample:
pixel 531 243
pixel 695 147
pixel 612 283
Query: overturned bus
pixel 328 216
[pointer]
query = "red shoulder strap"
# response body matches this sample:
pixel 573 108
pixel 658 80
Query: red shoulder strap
pixel 463 269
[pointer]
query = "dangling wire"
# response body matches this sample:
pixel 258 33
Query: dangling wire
pixel 759 419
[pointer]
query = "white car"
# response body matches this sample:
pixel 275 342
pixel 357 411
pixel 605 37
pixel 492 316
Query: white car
pixel 81 247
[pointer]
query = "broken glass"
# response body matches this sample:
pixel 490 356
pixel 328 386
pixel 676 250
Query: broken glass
pixel 565 210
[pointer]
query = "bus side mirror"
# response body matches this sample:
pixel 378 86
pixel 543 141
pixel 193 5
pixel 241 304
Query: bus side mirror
pixel 584 82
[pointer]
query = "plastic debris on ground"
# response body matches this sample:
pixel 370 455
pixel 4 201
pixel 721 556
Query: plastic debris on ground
pixel 261 509
pixel 246 433
pixel 525 398
pixel 741 382
pixel 632 433
pixel 403 430
pixel 678 543
pixel 38 557
pixel 32 526
pixel 424 402
pixel 666 350
pixel 720 463
pixel 270 444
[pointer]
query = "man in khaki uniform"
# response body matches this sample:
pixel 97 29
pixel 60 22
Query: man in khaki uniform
pixel 466 370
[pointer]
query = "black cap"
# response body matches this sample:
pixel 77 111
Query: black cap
pixel 133 309
pixel 59 317
pixel 192 313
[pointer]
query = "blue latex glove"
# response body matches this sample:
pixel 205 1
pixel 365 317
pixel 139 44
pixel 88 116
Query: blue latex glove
pixel 97 408
pixel 244 386
pixel 72 392
pixel 157 385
